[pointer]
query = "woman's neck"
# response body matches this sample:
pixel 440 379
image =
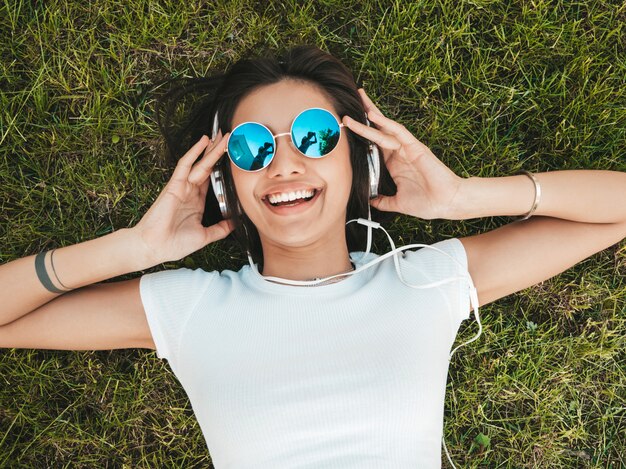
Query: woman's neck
pixel 306 263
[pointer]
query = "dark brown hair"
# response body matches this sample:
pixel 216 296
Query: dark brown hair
pixel 222 94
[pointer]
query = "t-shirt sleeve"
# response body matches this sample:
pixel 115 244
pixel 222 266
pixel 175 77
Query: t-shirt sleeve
pixel 438 266
pixel 457 251
pixel 169 298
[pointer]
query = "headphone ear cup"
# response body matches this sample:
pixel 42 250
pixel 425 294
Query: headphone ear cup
pixel 373 164
pixel 217 178
pixel 217 183
pixel 215 128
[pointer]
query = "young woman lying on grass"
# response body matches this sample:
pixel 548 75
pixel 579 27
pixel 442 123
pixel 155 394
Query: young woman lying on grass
pixel 342 372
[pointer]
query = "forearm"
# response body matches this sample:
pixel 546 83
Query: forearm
pixel 78 265
pixel 591 196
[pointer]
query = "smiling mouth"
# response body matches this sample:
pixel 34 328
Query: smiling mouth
pixel 276 201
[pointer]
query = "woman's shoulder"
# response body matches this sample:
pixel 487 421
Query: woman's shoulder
pixel 184 277
pixel 452 246
pixel 416 251
pixel 417 261
pixel 445 257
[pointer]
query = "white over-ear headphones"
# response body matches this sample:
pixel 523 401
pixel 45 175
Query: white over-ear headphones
pixel 219 187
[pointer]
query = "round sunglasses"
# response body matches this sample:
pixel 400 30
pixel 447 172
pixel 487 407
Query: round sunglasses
pixel 315 132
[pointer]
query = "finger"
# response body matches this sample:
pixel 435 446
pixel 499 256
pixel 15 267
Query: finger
pixel 218 231
pixel 186 161
pixel 202 170
pixel 367 102
pixel 382 139
pixel 377 117
pixel 390 126
pixel 204 187
pixel 383 203
pixel 214 141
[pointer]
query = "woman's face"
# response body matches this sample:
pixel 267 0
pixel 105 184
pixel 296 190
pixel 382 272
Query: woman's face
pixel 302 222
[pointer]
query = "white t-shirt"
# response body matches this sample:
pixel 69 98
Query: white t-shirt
pixel 345 375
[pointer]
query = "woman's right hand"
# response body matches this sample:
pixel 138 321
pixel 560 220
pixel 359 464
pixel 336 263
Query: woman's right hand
pixel 172 228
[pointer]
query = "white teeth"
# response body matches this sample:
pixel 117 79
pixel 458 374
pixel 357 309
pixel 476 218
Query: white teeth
pixel 289 196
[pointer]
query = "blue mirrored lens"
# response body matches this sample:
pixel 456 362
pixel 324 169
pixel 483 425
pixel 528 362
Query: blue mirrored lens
pixel 315 133
pixel 251 146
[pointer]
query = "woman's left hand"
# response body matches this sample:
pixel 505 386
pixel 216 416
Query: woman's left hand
pixel 426 188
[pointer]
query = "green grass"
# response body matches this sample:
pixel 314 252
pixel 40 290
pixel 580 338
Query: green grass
pixel 491 86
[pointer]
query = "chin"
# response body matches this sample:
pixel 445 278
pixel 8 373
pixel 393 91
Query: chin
pixel 289 240
pixel 300 231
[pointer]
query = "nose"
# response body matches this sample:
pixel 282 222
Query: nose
pixel 287 160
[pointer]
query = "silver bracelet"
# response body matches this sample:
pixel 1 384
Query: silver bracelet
pixel 537 195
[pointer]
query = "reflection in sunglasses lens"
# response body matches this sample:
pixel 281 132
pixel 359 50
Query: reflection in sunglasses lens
pixel 315 133
pixel 251 146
